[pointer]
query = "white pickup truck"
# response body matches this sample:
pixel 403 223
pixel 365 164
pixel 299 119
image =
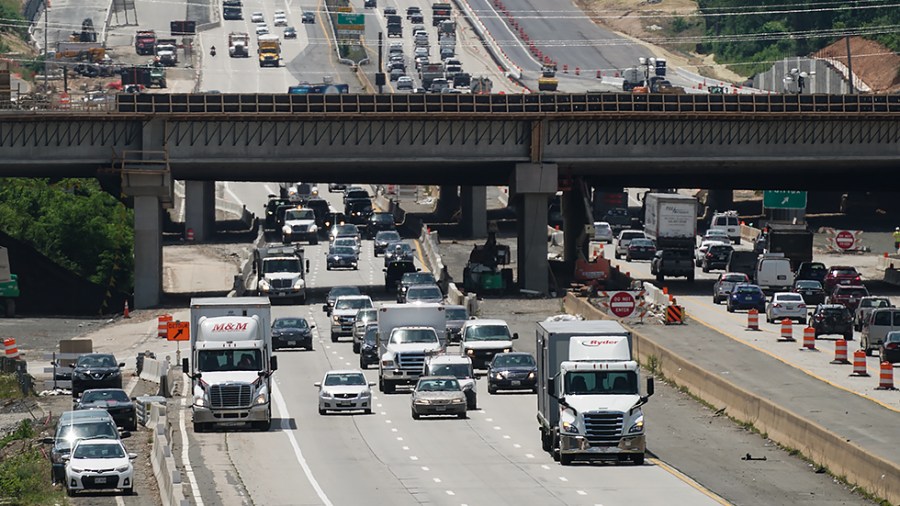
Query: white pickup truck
pixel 407 334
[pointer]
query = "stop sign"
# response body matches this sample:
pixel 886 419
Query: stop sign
pixel 844 239
pixel 621 304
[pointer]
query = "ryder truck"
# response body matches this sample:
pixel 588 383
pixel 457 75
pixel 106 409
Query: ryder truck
pixel 231 362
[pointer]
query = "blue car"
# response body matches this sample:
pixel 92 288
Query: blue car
pixel 747 296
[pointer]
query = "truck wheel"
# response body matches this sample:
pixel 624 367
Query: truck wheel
pixel 362 363
pixel 263 426
pixel 546 442
pixel 565 460
pixel 729 308
pixel 691 277
pixel 492 389
pixel 705 268
pixel 473 405
pixel 414 414
pixel 554 448
pixel 462 416
pixel 380 384
pixel 848 337
pixel 314 241
pixel 334 337
pixel 162 84
pixel 355 347
pixel 660 277
pixel 388 387
pixel 199 427
pixel 638 459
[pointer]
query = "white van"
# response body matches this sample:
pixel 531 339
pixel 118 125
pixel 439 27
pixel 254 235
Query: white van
pixel 773 273
pixel 728 222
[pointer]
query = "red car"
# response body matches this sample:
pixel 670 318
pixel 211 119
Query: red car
pixel 841 275
pixel 848 296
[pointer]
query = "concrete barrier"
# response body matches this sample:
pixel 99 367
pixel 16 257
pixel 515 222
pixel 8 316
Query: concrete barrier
pixel 749 233
pixel 168 477
pixel 655 295
pixel 843 458
pixel 430 250
pixel 490 44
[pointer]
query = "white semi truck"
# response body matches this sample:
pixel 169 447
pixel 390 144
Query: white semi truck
pixel 589 400
pixel 407 334
pixel 231 362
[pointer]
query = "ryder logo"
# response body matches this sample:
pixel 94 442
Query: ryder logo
pixel 598 342
pixel 229 327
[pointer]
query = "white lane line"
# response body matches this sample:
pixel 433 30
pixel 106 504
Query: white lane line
pixel 387 421
pixel 185 444
pixel 399 438
pixel 496 427
pixel 348 363
pixel 516 445
pixel 488 419
pixel 378 405
pixel 425 468
pixel 436 480
pixel 413 457
pixel 545 466
pixel 340 358
pixel 506 436
pixel 563 478
pixel 406 448
pixel 581 492
pixel 285 425
pixel 450 492
pixel 394 430
pixel 528 455
pixel 130 388
pixel 383 412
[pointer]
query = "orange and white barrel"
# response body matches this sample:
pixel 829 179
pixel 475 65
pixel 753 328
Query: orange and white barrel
pixel 162 325
pixel 753 319
pixel 10 348
pixel 859 363
pixel 809 338
pixel 886 376
pixel 840 352
pixel 787 330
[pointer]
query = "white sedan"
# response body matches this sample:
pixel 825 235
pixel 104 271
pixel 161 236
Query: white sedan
pixel 716 234
pixel 257 17
pixel 99 464
pixel 788 305
pixel 345 390
pixel 603 232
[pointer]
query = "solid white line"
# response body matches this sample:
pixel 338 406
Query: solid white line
pixel 285 417
pixel 581 492
pixel 563 478
pixel 130 386
pixel 530 456
pixel 185 444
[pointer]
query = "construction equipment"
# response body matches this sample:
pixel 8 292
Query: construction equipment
pixel 481 85
pixel 167 52
pixel 548 80
pixel 145 42
pixel 80 51
pixel 483 273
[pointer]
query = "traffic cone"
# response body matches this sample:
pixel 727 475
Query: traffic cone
pixel 886 376
pixel 840 352
pixel 753 319
pixel 859 364
pixel 126 314
pixel 809 339
pixel 787 330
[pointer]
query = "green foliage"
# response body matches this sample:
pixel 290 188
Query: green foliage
pixel 25 479
pixel 74 223
pixel 806 17
pixel 9 389
pixel 23 431
pixel 680 24
pixel 13 22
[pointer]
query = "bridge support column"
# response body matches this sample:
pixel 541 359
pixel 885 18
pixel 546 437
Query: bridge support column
pixel 448 201
pixel 150 183
pixel 534 184
pixel 575 215
pixel 200 208
pixel 473 206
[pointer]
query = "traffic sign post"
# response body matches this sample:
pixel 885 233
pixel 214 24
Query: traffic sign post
pixel 625 304
pixel 784 199
pixel 844 240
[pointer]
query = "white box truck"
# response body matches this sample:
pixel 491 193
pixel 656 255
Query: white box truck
pixel 670 220
pixel 407 334
pixel 589 400
pixel 231 362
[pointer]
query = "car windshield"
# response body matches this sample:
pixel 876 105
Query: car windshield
pixel 717 233
pixel 342 290
pixel 104 395
pixel 834 312
pixel 90 430
pixel 406 336
pixel 809 285
pixel 843 272
pixel 371 334
pixel 425 292
pixel 455 370
pixel 627 236
pixel 857 291
pixel 382 218
pixel 415 278
pixel 281 265
pixel 357 194
pixel 874 303
pixel 720 249
pixel 747 289
pixel 809 268
pixel 86 361
pixel 343 251
pixel 601 382
pixel 400 247
pixel 366 314
pixel 98 451
pixel 892 337
pixel 290 323
pixel 345 379
pixel 788 297
pixel 513 361
pixel 455 313
pixel 299 214
pixel 346 241
pixel 487 333
pixel 343 303
pixel 229 360
pixel 641 243
pixel 735 278
pixel 438 385
pixel 347 230
pixel 387 236
pixel 602 228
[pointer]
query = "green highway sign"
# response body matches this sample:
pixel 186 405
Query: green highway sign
pixel 784 199
pixel 347 18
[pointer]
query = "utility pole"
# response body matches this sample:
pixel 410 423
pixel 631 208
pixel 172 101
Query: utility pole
pixel 850 67
pixel 46 49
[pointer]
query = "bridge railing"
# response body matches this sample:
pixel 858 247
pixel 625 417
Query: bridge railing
pixel 538 103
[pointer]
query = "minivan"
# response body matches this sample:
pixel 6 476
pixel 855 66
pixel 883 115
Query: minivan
pixel 880 322
pixel 773 273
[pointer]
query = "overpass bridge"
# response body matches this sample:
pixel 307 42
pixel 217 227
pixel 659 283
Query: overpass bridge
pixel 527 141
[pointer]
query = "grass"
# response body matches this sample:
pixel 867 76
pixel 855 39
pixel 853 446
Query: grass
pixel 25 471
pixel 9 387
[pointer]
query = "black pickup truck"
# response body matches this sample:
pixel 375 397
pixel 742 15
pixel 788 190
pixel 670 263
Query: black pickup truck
pixel 673 263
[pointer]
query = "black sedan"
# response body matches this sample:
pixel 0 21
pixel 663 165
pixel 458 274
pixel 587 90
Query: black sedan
pixel 640 249
pixel 384 238
pixel 290 33
pixel 512 371
pixel 96 370
pixel 336 292
pixel 341 257
pixel 292 333
pixel 889 349
pixel 114 401
pixel 378 222
pixel 309 18
pixel 368 352
pixel 397 251
pixel 811 291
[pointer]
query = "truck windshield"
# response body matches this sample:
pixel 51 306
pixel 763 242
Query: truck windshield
pixel 229 360
pixel 488 333
pixel 300 214
pixel 601 382
pixel 406 336
pixel 353 304
pixel 281 265
pixel 457 314
pixel 455 370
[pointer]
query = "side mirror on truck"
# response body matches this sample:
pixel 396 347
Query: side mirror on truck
pixel 649 387
pixel 307 266
pixel 515 335
pixel 184 365
pixel 551 388
pixel 273 363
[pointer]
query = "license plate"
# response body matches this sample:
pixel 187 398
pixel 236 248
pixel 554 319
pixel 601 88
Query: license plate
pixel 100 479
pixel 292 343
pixel 345 404
pixel 515 383
pixel 845 281
pixel 441 408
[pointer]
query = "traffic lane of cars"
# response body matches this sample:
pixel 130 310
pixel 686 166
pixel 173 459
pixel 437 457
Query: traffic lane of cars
pixel 700 308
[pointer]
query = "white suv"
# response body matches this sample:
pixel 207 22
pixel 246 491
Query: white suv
pixel 730 223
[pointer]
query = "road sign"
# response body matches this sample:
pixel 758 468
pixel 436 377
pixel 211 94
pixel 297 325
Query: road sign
pixel 178 331
pixel 347 18
pixel 784 199
pixel 182 28
pixel 844 240
pixel 621 304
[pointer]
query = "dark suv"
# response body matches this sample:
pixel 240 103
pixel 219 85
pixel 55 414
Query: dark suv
pixel 378 222
pixel 716 257
pixel 848 296
pixel 96 370
pixel 321 208
pixel 832 319
pixel 394 271
pixel 271 214
pixel 358 210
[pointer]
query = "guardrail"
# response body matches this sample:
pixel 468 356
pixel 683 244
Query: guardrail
pixel 436 265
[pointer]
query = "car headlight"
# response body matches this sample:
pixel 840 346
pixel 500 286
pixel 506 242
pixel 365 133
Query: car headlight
pixel 423 401
pixel 286 230
pixel 458 401
pixel 117 372
pixel 261 399
pixel 76 469
pixel 638 427
pixel 569 427
pixel 122 469
pixel 80 375
pixel 325 395
pixel 387 363
pixel 365 394
pixel 507 350
pixel 264 285
pixel 313 228
pixel 199 402
pixel 335 318
pixel 531 375
pixel 299 283
pixel 470 352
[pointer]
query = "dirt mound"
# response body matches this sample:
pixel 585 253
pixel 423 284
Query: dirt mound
pixel 874 64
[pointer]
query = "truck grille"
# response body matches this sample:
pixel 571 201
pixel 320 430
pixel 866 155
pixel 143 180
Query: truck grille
pixel 603 428
pixel 413 361
pixel 230 396
pixel 281 284
pixel 296 228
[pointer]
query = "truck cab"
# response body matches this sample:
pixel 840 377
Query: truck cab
pixel 407 335
pixel 481 339
pixel 281 271
pixel 300 224
pixel 343 316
